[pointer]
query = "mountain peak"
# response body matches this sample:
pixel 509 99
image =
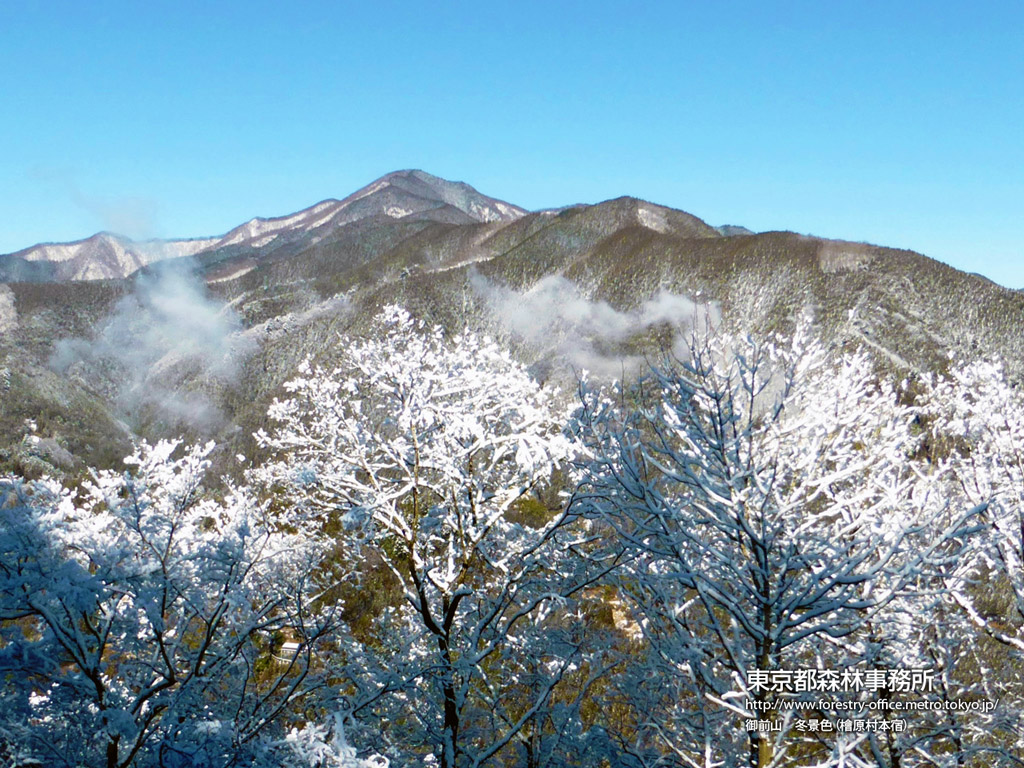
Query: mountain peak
pixel 409 193
pixel 427 188
pixel 397 195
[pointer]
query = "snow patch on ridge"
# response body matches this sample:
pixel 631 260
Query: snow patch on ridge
pixel 366 192
pixel 8 312
pixel 652 219
pixel 232 276
pixel 282 325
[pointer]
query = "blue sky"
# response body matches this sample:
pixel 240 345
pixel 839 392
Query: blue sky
pixel 895 123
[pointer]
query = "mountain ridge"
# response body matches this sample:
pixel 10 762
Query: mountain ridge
pixel 107 255
pixel 204 349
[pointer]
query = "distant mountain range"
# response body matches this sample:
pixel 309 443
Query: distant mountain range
pixel 101 257
pixel 398 195
pixel 106 340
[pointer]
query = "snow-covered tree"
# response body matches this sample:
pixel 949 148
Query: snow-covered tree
pixel 429 453
pixel 975 420
pixel 139 618
pixel 774 519
pixel 977 424
pixel 325 746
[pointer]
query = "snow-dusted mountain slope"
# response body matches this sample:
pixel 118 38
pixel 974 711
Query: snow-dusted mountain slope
pixel 397 195
pixel 402 194
pixel 102 256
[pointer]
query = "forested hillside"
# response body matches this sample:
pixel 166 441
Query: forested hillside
pixel 418 478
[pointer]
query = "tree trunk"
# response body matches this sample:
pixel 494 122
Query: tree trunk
pixel 112 752
pixel 450 727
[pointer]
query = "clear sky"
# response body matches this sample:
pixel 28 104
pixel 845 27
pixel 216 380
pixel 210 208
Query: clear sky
pixel 897 123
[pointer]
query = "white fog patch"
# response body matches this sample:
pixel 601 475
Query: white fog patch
pixel 554 316
pixel 680 311
pixel 166 331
